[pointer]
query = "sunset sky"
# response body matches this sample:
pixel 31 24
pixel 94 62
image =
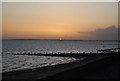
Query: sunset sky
pixel 54 20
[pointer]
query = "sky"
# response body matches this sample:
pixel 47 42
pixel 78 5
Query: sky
pixel 0 21
pixel 59 0
pixel 55 20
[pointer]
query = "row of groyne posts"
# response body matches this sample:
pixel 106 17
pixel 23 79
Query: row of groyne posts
pixel 71 54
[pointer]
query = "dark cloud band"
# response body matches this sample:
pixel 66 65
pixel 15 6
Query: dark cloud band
pixel 109 33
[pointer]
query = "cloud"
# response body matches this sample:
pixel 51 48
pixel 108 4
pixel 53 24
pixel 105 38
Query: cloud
pixel 109 33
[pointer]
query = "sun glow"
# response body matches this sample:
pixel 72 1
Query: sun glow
pixel 56 20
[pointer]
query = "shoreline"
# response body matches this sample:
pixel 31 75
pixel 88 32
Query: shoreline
pixel 107 69
pixel 43 72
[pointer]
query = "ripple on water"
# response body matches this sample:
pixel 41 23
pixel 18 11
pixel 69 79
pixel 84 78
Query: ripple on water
pixel 15 62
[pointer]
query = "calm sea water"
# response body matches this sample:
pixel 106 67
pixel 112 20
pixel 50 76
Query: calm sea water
pixel 17 62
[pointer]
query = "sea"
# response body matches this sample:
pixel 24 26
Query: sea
pixel 12 62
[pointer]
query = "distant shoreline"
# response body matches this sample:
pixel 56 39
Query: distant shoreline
pixel 60 40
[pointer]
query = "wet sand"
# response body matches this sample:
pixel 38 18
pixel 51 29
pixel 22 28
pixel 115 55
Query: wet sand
pixel 104 70
pixel 54 72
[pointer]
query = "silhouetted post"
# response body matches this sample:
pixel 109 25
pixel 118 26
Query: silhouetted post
pixel 90 52
pixel 83 52
pixel 104 51
pixel 103 45
pixel 118 50
pixel 77 52
pixel 97 52
pixel 97 44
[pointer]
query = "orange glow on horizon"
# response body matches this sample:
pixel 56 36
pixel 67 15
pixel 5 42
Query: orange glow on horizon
pixel 56 20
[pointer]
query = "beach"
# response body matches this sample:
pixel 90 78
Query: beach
pixel 107 69
pixel 51 71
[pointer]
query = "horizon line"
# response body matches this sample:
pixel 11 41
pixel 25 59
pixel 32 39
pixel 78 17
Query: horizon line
pixel 64 39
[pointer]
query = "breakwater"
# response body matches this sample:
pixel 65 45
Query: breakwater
pixel 111 51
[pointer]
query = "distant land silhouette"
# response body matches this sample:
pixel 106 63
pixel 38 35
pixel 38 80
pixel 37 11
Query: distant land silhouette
pixel 61 40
